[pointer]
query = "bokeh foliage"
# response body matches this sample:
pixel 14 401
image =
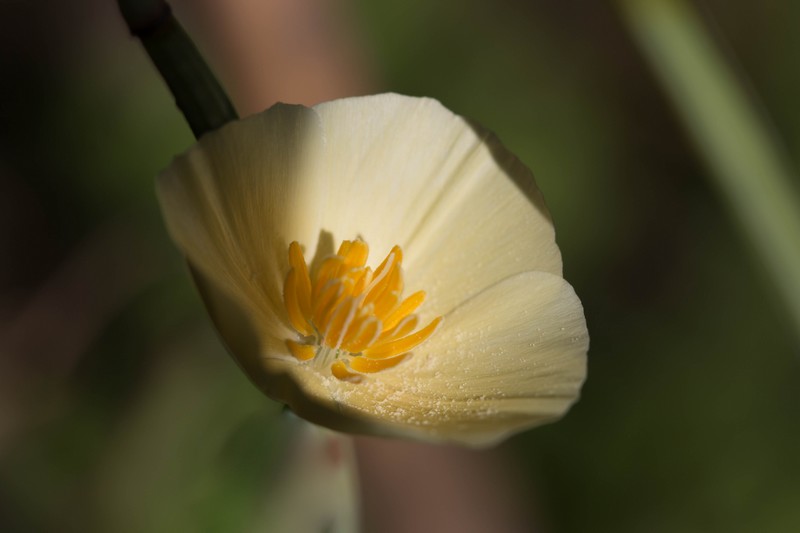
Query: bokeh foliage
pixel 688 421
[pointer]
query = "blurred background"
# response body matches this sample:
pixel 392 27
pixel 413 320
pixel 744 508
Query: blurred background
pixel 119 409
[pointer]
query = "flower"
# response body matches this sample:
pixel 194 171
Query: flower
pixel 493 338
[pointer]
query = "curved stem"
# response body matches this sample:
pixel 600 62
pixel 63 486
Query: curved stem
pixel 198 94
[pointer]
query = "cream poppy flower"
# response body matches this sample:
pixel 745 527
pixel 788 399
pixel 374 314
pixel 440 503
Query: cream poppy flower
pixel 304 227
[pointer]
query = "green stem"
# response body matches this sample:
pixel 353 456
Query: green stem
pixel 197 93
pixel 739 147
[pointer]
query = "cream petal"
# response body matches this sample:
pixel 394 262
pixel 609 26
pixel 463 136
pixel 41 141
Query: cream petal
pixel 466 211
pixel 246 338
pixel 393 170
pixel 389 168
pixel 512 357
pixel 233 202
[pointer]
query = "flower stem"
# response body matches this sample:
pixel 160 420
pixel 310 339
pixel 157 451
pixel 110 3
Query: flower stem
pixel 741 150
pixel 198 94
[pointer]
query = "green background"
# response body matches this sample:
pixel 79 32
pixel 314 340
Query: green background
pixel 121 411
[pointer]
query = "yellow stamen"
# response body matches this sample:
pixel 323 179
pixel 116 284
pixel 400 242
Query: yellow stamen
pixel 293 307
pixel 342 317
pixel 363 281
pixel 405 344
pixel 303 352
pixel 408 306
pixel 303 281
pixel 339 370
pixel 326 302
pixel 366 333
pixel 402 329
pixel 357 254
pixel 385 304
pixel 353 319
pixel 383 274
pixel 327 272
pixel 344 248
pixel 368 366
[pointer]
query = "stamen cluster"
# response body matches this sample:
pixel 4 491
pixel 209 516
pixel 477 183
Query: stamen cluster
pixel 350 317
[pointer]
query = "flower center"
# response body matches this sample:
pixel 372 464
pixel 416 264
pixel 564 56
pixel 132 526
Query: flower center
pixel 351 318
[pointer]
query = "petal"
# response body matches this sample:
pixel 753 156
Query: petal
pixel 390 170
pixel 512 357
pixel 466 211
pixel 231 203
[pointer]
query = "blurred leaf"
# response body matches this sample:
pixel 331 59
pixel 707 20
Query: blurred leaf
pixel 740 148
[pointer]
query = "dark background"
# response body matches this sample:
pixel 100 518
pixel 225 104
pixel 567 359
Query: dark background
pixel 119 410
